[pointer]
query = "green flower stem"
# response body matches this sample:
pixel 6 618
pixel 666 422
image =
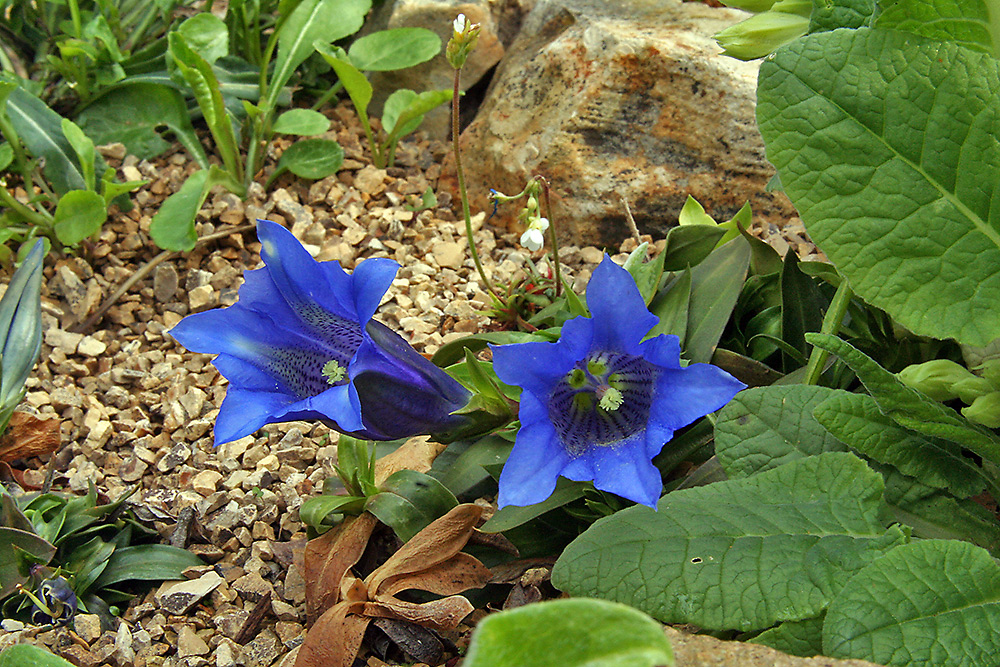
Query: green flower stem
pixel 327 96
pixel 461 186
pixel 832 322
pixel 26 212
pixel 552 232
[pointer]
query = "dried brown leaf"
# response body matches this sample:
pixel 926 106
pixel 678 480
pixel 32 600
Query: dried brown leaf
pixel 459 573
pixel 415 454
pixel 334 639
pixel 436 543
pixel 28 436
pixel 442 615
pixel 329 557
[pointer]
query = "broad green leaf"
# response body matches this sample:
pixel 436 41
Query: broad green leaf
pixel 312 20
pixel 764 427
pixel 856 420
pixel 689 245
pixel 715 286
pixel 908 407
pixel 315 511
pixel 28 655
pixel 146 562
pixel 201 78
pixel 40 129
pixel 964 21
pixel 646 275
pixel 889 180
pixel 172 228
pixel 131 114
pixel 802 638
pixel 933 602
pixel 85 151
pixel 938 515
pixel 312 158
pixel 207 35
pixel 833 14
pixel 718 556
pixel 79 214
pixel 392 49
pixel 15 544
pixel 671 305
pixel 570 633
pixel 303 122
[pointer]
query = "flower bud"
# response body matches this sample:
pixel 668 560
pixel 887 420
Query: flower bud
pixel 935 378
pixel 985 410
pixel 761 34
pixel 463 40
pixel 969 389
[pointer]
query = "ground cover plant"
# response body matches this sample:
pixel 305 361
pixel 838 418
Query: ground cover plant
pixel 797 454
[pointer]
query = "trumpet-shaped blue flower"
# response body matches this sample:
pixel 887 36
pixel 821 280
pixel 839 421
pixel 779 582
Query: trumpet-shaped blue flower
pixel 301 344
pixel 601 402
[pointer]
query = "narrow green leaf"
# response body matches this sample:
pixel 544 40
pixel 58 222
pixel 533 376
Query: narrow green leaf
pixel 889 183
pixel 802 308
pixel 461 467
pixel 393 49
pixel 671 305
pixel 646 275
pixel 13 544
pixel 146 562
pixel 856 420
pixel 409 502
pixel 303 122
pixel 84 147
pixel 312 158
pixel 908 407
pixel 312 20
pixel 689 245
pixel 79 214
pixel 572 633
pixel 764 427
pixel 933 602
pixel 566 491
pixel 355 83
pixel 172 228
pixel 964 21
pixel 40 129
pixel 6 156
pixel 718 556
pixel 715 286
pixel 132 113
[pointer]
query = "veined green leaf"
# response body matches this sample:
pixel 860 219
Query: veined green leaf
pixel 934 602
pixel 303 122
pixel 856 420
pixel 206 34
pixel 802 638
pixel 964 21
pixel 889 181
pixel 570 633
pixel 718 555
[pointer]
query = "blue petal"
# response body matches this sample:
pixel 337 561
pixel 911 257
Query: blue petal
pixel 530 473
pixel 537 366
pixel 369 282
pixel 686 394
pixel 663 350
pixel 625 470
pixel 619 313
pixel 244 412
pixel 338 404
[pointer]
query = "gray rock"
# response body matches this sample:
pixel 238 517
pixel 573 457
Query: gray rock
pixel 165 283
pixel 621 99
pixel 262 651
pixel 177 597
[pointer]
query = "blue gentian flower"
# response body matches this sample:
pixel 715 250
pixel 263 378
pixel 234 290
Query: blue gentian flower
pixel 301 344
pixel 601 402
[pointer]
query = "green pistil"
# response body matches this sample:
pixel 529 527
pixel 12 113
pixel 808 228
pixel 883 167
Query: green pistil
pixel 334 372
pixel 612 399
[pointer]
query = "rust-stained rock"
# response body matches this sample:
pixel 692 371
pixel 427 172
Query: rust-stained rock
pixel 621 99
